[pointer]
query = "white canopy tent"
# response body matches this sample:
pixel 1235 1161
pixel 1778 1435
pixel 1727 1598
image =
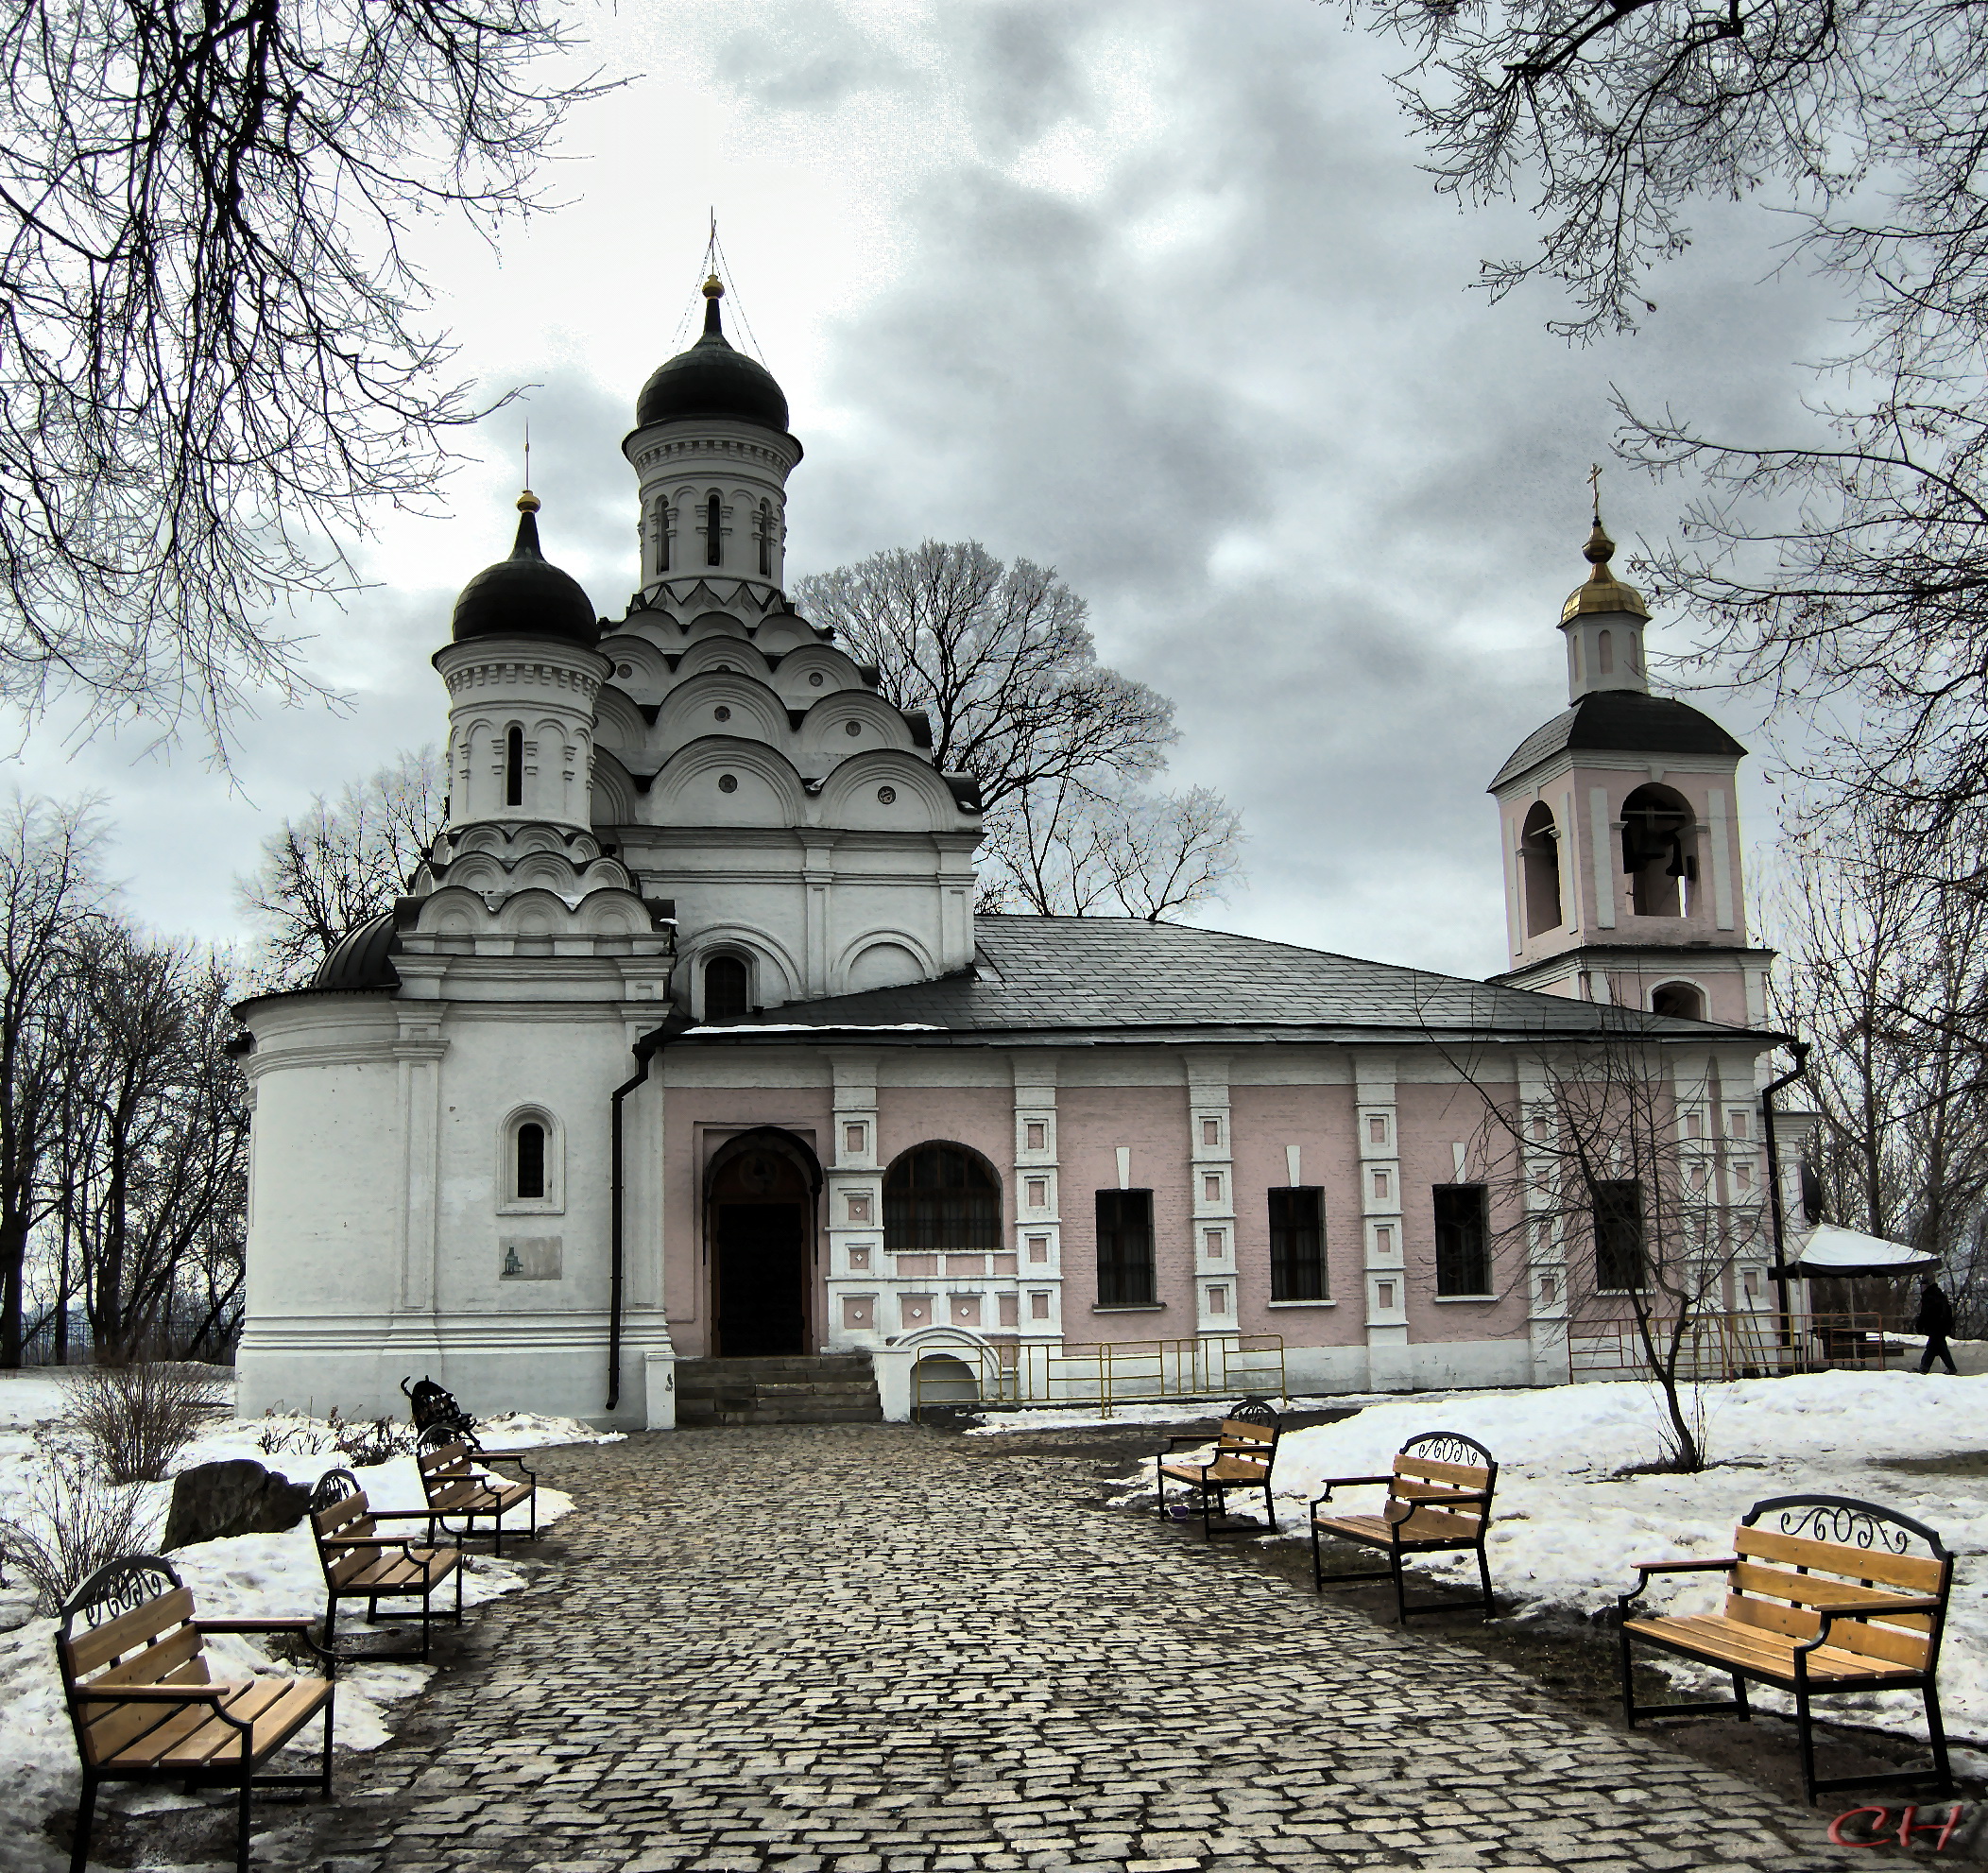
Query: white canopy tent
pixel 1831 1250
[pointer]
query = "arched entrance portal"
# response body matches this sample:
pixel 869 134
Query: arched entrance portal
pixel 760 1190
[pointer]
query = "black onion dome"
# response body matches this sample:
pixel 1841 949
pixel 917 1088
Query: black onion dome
pixel 524 596
pixel 1621 721
pixel 361 958
pixel 712 379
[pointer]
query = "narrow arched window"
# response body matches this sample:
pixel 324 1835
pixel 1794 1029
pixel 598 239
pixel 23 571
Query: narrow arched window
pixel 531 1159
pixel 663 538
pixel 713 533
pixel 514 766
pixel 727 989
pixel 766 540
pixel 1604 652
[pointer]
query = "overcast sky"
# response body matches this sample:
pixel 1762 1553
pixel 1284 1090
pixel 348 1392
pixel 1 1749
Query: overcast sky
pixel 1154 292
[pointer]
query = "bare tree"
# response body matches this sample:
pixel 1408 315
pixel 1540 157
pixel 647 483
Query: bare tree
pixel 212 361
pixel 1848 563
pixel 50 891
pixel 338 865
pixel 999 659
pixel 1063 851
pixel 1887 970
pixel 1609 1176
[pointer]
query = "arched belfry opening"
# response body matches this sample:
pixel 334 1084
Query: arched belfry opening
pixel 761 1191
pixel 1659 851
pixel 1683 1000
pixel 1539 856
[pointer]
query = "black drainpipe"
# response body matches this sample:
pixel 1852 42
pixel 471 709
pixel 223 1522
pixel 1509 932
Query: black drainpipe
pixel 1774 1209
pixel 647 1048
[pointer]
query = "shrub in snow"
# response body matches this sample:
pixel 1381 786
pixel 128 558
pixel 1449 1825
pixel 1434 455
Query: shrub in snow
pixel 71 1522
pixel 135 1420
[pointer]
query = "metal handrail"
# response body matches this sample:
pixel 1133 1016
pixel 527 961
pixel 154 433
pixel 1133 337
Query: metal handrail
pixel 1110 1372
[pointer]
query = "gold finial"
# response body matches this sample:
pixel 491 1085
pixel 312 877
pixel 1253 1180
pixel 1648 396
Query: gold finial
pixel 714 288
pixel 527 501
pixel 1602 591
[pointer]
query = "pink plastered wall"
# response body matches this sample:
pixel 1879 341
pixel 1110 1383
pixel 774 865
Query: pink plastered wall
pixel 1430 1120
pixel 1263 1120
pixel 1152 1121
pixel 980 1117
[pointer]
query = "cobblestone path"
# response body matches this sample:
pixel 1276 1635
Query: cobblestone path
pixel 860 1649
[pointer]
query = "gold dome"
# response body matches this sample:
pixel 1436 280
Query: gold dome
pixel 1603 591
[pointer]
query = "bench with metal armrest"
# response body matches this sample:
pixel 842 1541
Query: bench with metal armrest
pixel 1244 1454
pixel 1825 1596
pixel 457 1487
pixel 145 1708
pixel 360 1563
pixel 1438 1502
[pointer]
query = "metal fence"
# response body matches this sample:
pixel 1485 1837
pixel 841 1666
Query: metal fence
pixel 1743 1345
pixel 1111 1372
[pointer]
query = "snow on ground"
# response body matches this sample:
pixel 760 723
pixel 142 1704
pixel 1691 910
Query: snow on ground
pixel 1566 1526
pixel 262 1575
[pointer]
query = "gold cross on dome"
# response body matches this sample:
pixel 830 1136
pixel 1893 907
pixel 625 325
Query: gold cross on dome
pixel 1594 482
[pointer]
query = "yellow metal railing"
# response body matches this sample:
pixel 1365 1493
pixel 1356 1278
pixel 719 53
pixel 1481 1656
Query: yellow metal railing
pixel 1107 1373
pixel 1742 1345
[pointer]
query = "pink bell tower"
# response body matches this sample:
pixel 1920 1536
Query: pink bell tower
pixel 1621 830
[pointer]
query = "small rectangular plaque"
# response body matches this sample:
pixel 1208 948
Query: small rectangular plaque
pixel 529 1258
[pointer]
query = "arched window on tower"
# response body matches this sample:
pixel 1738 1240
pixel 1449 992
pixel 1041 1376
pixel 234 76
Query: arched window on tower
pixel 714 532
pixel 1680 999
pixel 1658 851
pixel 1539 860
pixel 941 1196
pixel 728 990
pixel 514 766
pixel 1604 653
pixel 663 538
pixel 766 538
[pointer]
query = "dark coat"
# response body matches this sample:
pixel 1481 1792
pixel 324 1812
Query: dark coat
pixel 1935 1315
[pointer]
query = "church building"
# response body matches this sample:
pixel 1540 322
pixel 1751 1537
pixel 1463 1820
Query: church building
pixel 687 1045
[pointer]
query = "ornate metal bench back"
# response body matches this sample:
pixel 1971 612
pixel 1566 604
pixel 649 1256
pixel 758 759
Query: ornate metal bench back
pixel 1846 1523
pixel 429 1404
pixel 1451 1447
pixel 119 1588
pixel 439 1436
pixel 333 1487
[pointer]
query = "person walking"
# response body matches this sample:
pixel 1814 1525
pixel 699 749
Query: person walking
pixel 1935 1320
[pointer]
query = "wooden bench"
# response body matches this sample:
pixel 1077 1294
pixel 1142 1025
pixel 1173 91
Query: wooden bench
pixel 360 1563
pixel 145 1707
pixel 1245 1453
pixel 1438 1502
pixel 455 1485
pixel 1825 1597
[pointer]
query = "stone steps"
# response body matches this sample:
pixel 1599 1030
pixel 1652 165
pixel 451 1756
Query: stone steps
pixel 789 1389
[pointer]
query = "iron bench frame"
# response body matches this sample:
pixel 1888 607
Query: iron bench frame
pixel 438 1438
pixel 1854 1528
pixel 337 1487
pixel 1406 1499
pixel 112 1604
pixel 1247 1449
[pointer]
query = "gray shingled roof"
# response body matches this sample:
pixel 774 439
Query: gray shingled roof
pixel 1625 720
pixel 1119 976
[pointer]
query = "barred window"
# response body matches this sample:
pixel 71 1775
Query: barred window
pixel 1463 1239
pixel 1125 1249
pixel 1297 1243
pixel 941 1196
pixel 1618 1236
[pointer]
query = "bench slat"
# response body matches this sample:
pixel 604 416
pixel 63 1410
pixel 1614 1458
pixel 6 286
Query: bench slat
pixel 157 1663
pixel 1810 1589
pixel 1463 1475
pixel 1922 1574
pixel 127 1631
pixel 1770 1654
pixel 1798 1622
